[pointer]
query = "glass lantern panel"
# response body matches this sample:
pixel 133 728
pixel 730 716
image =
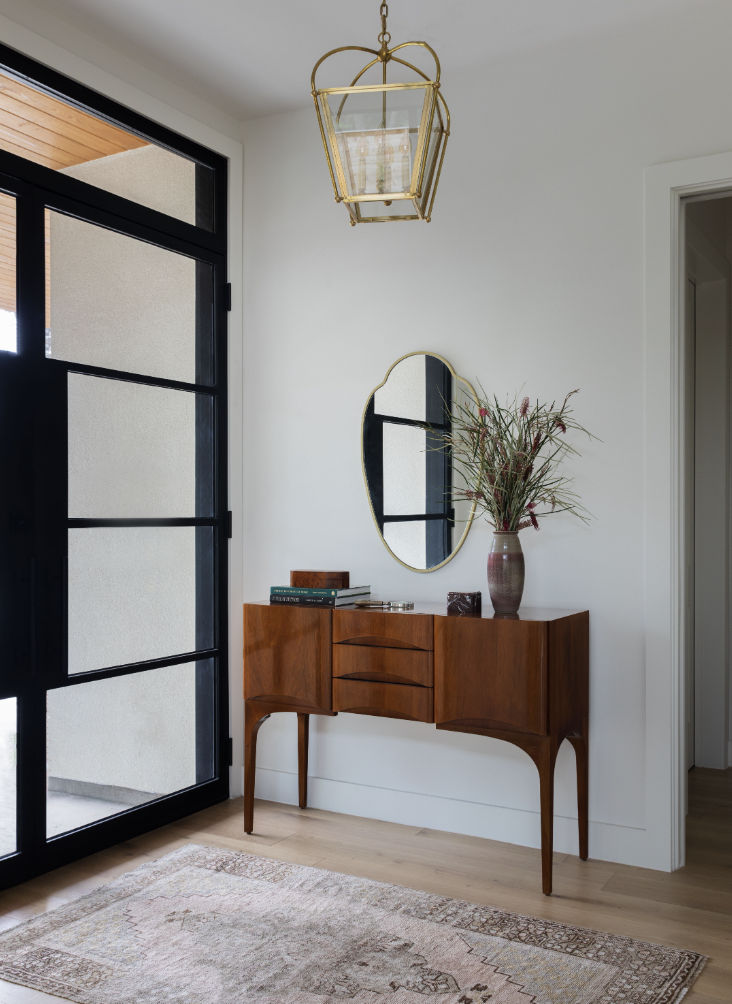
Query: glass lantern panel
pixel 434 149
pixel 378 211
pixel 375 137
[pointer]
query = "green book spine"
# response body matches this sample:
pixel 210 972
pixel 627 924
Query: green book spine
pixel 323 593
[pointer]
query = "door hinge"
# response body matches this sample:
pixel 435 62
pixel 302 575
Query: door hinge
pixel 229 525
pixel 228 296
pixel 230 753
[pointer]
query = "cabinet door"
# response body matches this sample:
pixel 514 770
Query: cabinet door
pixel 491 673
pixel 287 655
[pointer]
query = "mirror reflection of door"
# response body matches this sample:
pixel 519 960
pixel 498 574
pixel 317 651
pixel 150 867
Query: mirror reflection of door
pixel 408 473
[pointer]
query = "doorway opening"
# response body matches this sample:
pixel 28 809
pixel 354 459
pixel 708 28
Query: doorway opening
pixel 708 516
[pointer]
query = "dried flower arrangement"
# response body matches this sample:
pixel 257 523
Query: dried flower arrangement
pixel 509 457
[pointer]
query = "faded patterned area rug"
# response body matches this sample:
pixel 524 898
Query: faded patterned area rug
pixel 211 926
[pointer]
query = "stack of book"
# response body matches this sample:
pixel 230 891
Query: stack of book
pixel 311 588
pixel 311 597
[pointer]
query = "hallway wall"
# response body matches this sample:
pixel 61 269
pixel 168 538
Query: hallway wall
pixel 530 277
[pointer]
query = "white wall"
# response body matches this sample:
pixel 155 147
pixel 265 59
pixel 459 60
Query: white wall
pixel 530 275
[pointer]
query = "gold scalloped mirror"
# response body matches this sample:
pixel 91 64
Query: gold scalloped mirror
pixel 409 479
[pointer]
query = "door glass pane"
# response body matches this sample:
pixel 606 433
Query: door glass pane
pixel 113 744
pixel 56 134
pixel 138 451
pixel 8 336
pixel 138 593
pixel 8 775
pixel 122 304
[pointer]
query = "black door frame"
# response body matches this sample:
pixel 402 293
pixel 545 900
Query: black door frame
pixel 33 643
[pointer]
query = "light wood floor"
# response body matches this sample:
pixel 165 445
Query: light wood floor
pixel 690 908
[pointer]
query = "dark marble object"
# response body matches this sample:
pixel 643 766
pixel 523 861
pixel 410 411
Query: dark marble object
pixel 464 604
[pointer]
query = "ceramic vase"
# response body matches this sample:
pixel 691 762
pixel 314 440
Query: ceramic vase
pixel 506 572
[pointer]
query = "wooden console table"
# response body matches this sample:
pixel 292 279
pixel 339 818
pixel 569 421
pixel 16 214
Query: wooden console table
pixel 524 680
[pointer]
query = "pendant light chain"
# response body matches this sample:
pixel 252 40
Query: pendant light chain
pixel 384 12
pixel 384 39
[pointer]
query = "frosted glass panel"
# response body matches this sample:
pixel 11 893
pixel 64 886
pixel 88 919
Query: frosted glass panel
pixel 116 743
pixel 138 593
pixel 133 450
pixel 405 469
pixel 432 149
pixel 156 178
pixel 123 304
pixel 8 325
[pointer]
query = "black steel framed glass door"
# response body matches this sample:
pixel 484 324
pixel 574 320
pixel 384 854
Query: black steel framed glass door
pixel 113 514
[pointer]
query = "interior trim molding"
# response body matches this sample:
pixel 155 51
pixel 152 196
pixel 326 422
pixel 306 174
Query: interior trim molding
pixel 609 841
pixel 665 187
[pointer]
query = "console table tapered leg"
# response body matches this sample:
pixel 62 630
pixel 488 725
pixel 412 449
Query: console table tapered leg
pixel 303 735
pixel 581 753
pixel 253 718
pixel 546 757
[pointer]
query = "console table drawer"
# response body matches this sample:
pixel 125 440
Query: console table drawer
pixel 388 700
pixel 383 628
pixel 385 665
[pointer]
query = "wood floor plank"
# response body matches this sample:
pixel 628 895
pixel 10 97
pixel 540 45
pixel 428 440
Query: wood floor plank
pixel 716 979
pixel 13 993
pixel 698 897
pixel 689 909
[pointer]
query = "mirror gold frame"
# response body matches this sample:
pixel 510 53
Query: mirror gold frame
pixel 469 522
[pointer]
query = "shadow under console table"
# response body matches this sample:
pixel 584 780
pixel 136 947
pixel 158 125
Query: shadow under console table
pixel 524 680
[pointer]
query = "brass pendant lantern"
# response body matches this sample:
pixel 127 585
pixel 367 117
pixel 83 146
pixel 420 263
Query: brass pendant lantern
pixel 384 142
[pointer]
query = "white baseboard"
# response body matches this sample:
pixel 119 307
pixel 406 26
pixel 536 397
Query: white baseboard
pixel 608 842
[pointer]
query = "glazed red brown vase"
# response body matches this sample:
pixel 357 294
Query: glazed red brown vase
pixel 506 572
